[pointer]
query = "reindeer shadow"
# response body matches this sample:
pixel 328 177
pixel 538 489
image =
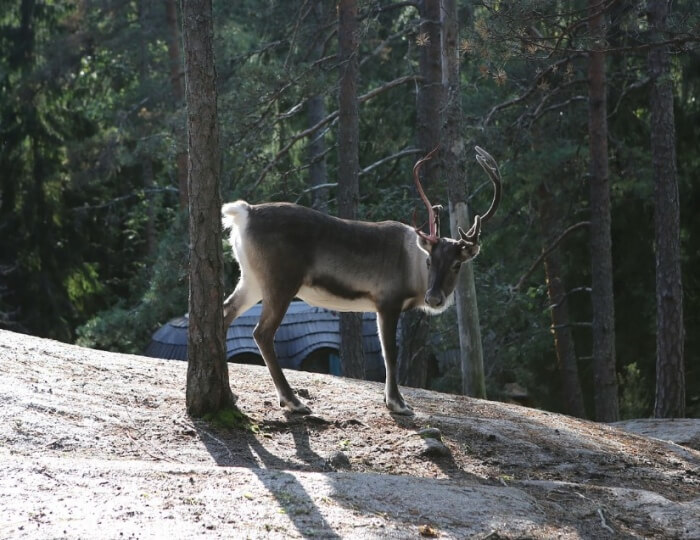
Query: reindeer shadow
pixel 241 448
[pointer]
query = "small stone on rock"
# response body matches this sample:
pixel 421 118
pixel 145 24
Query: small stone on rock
pixel 434 448
pixel 338 460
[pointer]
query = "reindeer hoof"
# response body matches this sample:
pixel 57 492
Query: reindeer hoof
pixel 295 405
pixel 399 407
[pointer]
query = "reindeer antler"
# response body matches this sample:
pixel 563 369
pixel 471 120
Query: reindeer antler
pixel 488 163
pixel 491 168
pixel 432 236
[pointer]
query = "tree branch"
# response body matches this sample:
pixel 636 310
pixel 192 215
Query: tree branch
pixel 122 198
pixel 387 7
pixel 548 250
pixel 328 119
pixel 552 68
pixel 571 325
pixel 626 90
pixel 314 188
pixel 397 155
pixel 388 86
pixel 568 293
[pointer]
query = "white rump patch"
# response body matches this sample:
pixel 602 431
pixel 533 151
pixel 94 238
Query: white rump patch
pixel 235 215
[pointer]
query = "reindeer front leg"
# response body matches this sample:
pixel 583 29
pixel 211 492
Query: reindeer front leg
pixel 387 321
pixel 264 335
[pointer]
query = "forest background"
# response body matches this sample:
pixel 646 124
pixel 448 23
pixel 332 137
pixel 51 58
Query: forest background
pixel 93 228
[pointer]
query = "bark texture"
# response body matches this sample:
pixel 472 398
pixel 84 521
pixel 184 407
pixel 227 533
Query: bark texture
pixel 144 157
pixel 318 172
pixel 412 354
pixel 208 388
pixel 556 292
pixel 670 333
pixel 453 153
pixel 471 350
pixel 315 113
pixel 414 328
pixel 604 372
pixel 429 99
pixel 178 90
pixel 351 354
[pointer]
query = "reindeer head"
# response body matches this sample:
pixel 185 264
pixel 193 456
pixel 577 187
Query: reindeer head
pixel 446 255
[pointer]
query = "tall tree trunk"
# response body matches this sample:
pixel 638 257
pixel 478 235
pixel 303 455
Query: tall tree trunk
pixel 146 161
pixel 430 92
pixel 414 327
pixel 412 354
pixel 470 347
pixel 316 111
pixel 605 376
pixel 670 333
pixel 318 172
pixel 556 293
pixel 471 350
pixel 178 90
pixel 351 355
pixel 207 372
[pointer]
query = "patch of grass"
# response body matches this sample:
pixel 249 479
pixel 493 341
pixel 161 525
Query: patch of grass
pixel 635 401
pixel 231 418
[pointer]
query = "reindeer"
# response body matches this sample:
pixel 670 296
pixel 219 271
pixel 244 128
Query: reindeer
pixel 285 251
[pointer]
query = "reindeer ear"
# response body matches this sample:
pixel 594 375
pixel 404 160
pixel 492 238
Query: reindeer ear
pixel 468 249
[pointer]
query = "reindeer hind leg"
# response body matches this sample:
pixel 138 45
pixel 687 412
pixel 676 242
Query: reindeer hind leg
pixel 244 296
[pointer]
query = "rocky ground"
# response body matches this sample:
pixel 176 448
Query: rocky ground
pixel 97 444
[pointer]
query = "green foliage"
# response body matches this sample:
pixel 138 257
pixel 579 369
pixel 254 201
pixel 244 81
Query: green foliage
pixel 636 401
pixel 127 326
pixel 77 124
pixel 450 382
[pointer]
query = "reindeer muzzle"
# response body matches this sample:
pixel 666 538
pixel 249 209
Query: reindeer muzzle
pixel 434 299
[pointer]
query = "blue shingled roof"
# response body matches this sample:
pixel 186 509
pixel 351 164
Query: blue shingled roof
pixel 304 330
